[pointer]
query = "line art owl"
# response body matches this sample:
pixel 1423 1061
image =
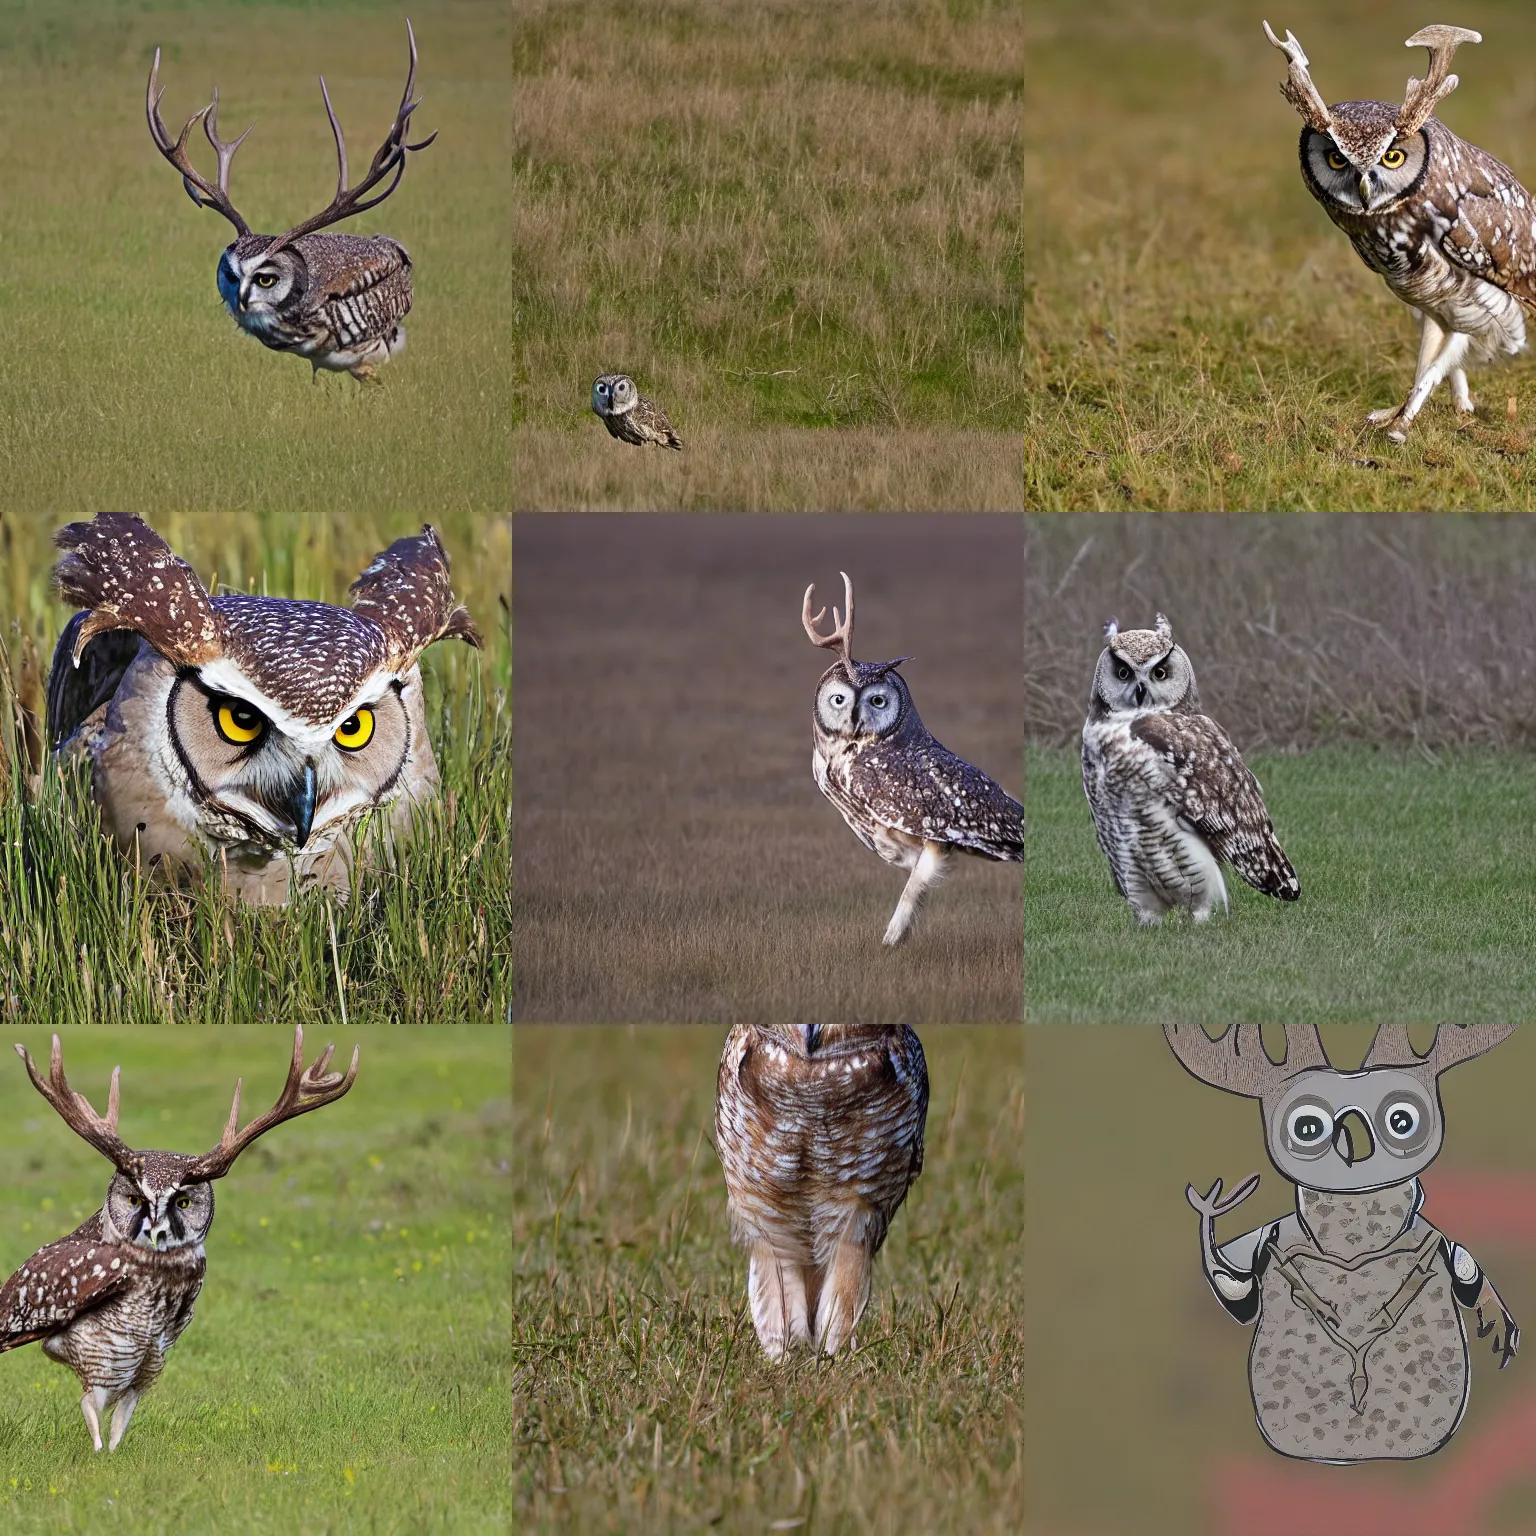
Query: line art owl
pixel 629 415
pixel 819 1128
pixel 1172 801
pixel 261 730
pixel 1448 227
pixel 335 300
pixel 111 1298
pixel 904 795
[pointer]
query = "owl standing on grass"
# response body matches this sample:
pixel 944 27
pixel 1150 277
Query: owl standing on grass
pixel 629 416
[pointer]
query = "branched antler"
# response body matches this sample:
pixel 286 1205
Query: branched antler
pixel 76 1112
pixel 1425 95
pixel 842 628
pixel 1298 89
pixel 205 194
pixel 304 1091
pixel 1237 1061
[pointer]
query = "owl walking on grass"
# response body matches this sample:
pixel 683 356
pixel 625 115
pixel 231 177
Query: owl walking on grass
pixel 629 415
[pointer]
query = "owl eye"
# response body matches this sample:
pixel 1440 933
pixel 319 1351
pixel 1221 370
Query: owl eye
pixel 1123 672
pixel 1159 674
pixel 877 700
pixel 1401 1119
pixel 1309 1126
pixel 266 279
pixel 184 1201
pixel 839 699
pixel 1393 158
pixel 1337 162
pixel 237 722
pixel 355 731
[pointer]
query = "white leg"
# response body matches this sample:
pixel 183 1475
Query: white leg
pixel 776 1291
pixel 931 867
pixel 1432 341
pixel 844 1295
pixel 1460 393
pixel 120 1417
pixel 93 1405
pixel 1447 361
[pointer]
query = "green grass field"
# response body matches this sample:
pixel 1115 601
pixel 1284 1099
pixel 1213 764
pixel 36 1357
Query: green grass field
pixel 346 1369
pixel 796 225
pixel 425 938
pixel 1416 900
pixel 1197 333
pixel 641 1400
pixel 123 383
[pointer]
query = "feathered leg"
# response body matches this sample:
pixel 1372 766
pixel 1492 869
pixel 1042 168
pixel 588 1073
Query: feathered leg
pixel 120 1417
pixel 931 867
pixel 93 1404
pixel 776 1291
pixel 1441 354
pixel 844 1293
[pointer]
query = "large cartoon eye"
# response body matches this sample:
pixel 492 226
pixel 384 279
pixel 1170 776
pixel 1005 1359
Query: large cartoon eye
pixel 1123 672
pixel 1309 1128
pixel 237 722
pixel 356 731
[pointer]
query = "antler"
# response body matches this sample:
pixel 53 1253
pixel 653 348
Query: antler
pixel 1237 1061
pixel 1299 89
pixel 842 628
pixel 1425 95
pixel 390 156
pixel 78 1115
pixel 302 1092
pixel 1452 1045
pixel 205 194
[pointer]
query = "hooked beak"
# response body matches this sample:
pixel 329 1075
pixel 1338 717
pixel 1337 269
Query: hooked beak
pixel 1352 1138
pixel 1365 191
pixel 300 805
pixel 1139 694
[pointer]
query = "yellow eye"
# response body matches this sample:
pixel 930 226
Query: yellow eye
pixel 266 279
pixel 238 723
pixel 355 731
pixel 184 1201
pixel 1393 158
pixel 1336 160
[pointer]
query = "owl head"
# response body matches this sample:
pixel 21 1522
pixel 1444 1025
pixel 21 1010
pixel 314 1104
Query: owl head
pixel 270 724
pixel 1142 670
pixel 164 1200
pixel 856 700
pixel 1339 1132
pixel 1368 156
pixel 261 287
pixel 614 394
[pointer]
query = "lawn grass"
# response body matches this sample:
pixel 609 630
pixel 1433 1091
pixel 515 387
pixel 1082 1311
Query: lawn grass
pixel 346 1369
pixel 796 225
pixel 1197 333
pixel 425 937
pixel 640 1397
pixel 1416 900
pixel 123 383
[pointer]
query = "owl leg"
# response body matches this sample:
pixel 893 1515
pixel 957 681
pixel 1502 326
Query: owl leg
pixel 931 867
pixel 776 1291
pixel 120 1417
pixel 1447 360
pixel 1460 393
pixel 93 1404
pixel 844 1294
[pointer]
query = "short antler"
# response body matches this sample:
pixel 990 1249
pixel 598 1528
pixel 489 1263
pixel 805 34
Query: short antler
pixel 1425 95
pixel 302 1092
pixel 1237 1061
pixel 390 157
pixel 1299 89
pixel 204 193
pixel 842 628
pixel 78 1115
pixel 1452 1045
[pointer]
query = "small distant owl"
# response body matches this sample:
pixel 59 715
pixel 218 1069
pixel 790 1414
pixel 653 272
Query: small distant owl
pixel 819 1128
pixel 1171 798
pixel 628 415
pixel 110 1299
pixel 335 300
pixel 260 730
pixel 1448 227
pixel 904 795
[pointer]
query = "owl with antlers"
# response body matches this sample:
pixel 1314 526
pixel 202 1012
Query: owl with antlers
pixel 335 300
pixel 1448 227
pixel 819 1128
pixel 258 731
pixel 111 1298
pixel 903 794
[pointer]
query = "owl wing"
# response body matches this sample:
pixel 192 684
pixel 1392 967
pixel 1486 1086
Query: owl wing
pixel 362 271
pixel 59 1283
pixel 930 793
pixel 76 693
pixel 1491 216
pixel 652 422
pixel 1220 798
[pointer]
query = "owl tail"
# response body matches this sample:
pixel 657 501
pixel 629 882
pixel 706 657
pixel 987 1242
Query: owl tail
pixel 844 1292
pixel 776 1291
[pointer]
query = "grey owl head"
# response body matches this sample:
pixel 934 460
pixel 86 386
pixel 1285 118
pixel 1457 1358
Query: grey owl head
pixel 273 719
pixel 1325 1129
pixel 164 1200
pixel 1368 156
pixel 1141 670
pixel 856 700
pixel 614 394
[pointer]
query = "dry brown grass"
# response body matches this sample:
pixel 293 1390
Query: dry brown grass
pixel 674 859
pixel 1303 630
pixel 797 214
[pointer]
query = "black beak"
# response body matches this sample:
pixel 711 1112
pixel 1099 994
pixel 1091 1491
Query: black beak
pixel 1352 1138
pixel 300 805
pixel 1139 694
